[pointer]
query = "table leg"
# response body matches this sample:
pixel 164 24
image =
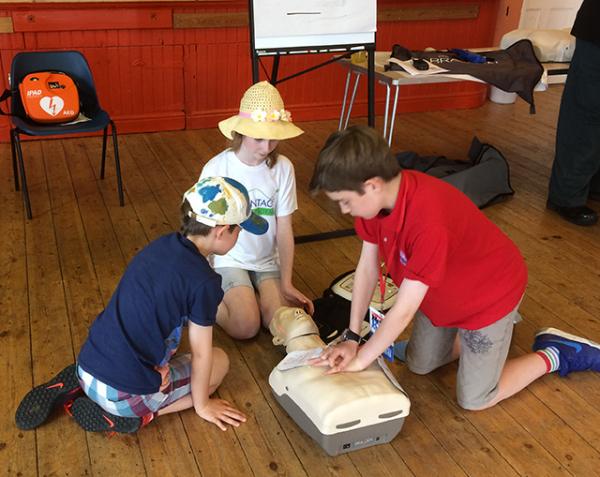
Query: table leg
pixel 344 100
pixel 352 100
pixel 387 108
pixel 393 115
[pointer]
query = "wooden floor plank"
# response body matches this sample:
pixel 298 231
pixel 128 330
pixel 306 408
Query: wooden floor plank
pixel 160 191
pixel 102 239
pixel 262 438
pixel 554 429
pixel 76 261
pixel 17 448
pixel 51 344
pixel 543 450
pixel 422 452
pixel 380 460
pixel 556 269
pixel 140 195
pixel 61 267
pixel 455 433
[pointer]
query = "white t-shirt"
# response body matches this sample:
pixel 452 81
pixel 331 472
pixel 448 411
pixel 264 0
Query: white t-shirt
pixel 272 194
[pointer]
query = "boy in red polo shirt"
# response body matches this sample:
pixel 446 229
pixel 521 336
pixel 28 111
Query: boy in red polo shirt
pixel 460 278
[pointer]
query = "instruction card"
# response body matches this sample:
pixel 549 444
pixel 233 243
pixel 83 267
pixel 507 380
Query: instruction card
pixel 295 359
pixel 375 318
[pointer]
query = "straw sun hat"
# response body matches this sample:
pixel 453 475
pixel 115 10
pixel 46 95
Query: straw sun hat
pixel 262 115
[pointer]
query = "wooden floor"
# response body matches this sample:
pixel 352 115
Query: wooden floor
pixel 59 269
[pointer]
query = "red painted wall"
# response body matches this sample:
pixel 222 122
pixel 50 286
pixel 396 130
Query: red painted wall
pixel 152 77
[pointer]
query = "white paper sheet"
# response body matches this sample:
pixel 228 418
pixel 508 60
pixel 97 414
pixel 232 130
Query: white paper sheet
pixel 282 18
pixel 410 69
pixel 295 359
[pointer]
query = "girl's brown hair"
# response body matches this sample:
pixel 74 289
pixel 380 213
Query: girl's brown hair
pixel 236 143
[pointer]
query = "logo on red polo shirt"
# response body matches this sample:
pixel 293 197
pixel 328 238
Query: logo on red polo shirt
pixel 403 259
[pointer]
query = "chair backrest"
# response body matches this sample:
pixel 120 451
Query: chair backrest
pixel 73 63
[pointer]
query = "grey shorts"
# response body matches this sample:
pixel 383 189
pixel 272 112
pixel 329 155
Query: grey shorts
pixel 483 353
pixel 236 277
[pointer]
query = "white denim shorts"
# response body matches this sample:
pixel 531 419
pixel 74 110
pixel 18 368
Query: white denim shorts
pixel 232 277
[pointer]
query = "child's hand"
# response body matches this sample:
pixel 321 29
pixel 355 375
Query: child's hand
pixel 165 375
pixel 337 357
pixel 352 367
pixel 295 296
pixel 221 412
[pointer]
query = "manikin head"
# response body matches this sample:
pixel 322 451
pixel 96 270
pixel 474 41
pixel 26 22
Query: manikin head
pixel 295 329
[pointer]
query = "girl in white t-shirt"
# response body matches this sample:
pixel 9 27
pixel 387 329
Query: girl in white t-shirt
pixel 257 272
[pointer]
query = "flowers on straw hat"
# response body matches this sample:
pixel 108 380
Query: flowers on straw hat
pixel 262 115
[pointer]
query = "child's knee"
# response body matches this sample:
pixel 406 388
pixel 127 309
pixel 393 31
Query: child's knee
pixel 241 322
pixel 421 363
pixel 420 371
pixel 472 406
pixel 476 401
pixel 245 328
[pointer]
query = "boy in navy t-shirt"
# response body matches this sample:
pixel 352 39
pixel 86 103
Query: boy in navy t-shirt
pixel 127 367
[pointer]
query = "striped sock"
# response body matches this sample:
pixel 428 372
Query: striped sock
pixel 551 357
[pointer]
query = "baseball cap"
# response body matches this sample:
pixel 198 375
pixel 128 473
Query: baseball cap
pixel 223 201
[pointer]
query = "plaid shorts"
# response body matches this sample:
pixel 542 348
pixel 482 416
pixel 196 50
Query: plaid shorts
pixel 138 405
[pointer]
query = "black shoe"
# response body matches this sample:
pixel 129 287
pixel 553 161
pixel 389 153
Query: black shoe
pixel 38 404
pixel 93 418
pixel 581 215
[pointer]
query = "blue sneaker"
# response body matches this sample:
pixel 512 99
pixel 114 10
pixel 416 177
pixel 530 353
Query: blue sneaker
pixel 575 353
pixel 400 350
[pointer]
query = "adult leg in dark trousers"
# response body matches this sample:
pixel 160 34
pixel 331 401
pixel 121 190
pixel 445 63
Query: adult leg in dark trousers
pixel 575 171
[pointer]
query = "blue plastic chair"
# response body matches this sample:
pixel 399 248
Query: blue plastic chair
pixel 75 65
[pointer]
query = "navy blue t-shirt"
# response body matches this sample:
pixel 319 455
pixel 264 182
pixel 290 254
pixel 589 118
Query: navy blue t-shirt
pixel 166 284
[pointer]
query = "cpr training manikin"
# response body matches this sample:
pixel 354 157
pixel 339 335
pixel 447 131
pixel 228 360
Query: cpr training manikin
pixel 344 411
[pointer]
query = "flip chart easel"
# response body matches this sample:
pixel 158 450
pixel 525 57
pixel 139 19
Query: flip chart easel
pixel 288 27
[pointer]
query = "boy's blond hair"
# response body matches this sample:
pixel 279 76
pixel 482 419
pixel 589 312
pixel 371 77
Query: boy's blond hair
pixel 351 157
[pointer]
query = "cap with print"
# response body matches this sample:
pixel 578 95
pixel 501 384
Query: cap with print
pixel 223 201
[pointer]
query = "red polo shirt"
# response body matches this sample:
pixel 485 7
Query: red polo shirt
pixel 436 235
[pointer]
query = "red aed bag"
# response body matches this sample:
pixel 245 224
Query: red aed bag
pixel 49 97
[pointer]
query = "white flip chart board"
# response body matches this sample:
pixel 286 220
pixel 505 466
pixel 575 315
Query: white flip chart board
pixel 312 23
